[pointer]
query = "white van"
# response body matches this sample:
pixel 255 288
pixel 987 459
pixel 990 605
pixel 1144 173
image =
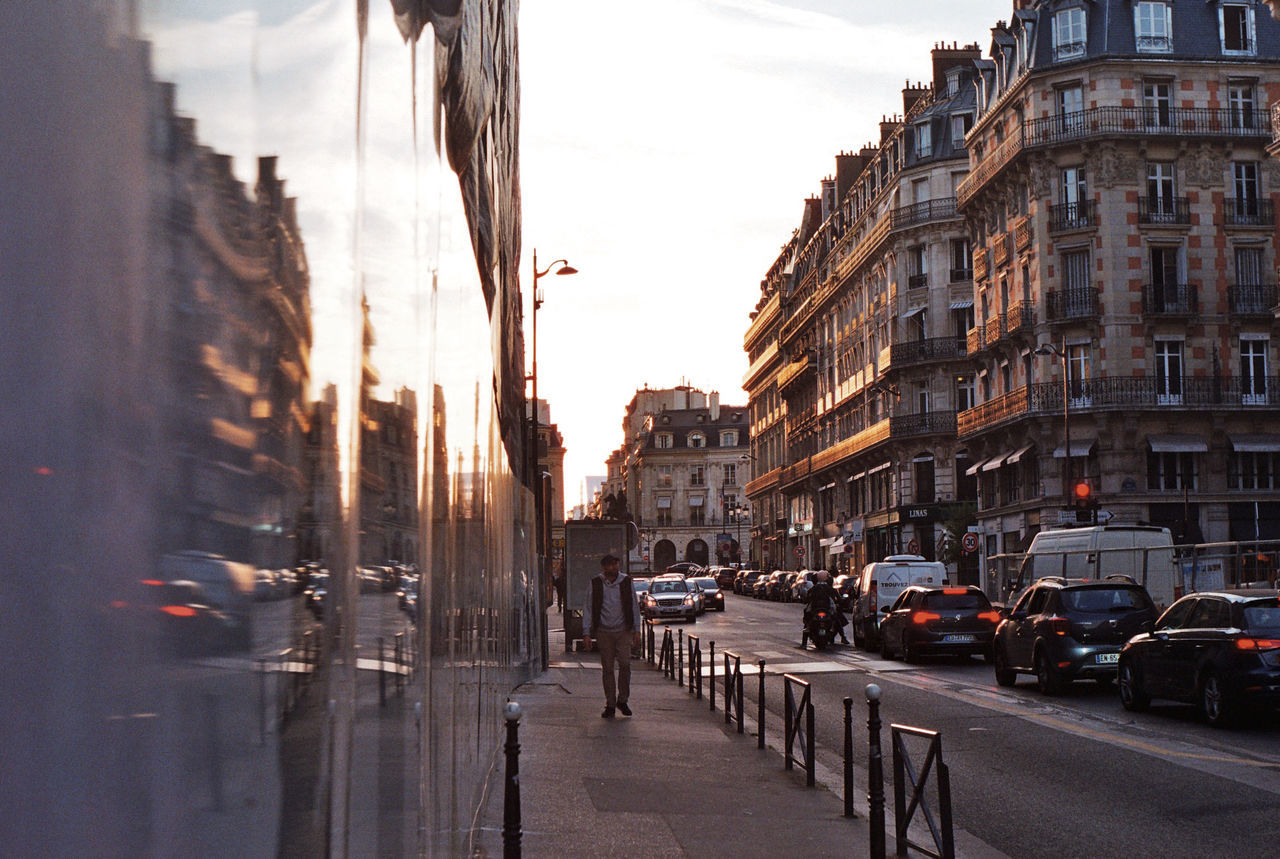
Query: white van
pixel 880 583
pixel 1143 553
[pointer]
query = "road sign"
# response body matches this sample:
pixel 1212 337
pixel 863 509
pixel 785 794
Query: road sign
pixel 913 547
pixel 799 551
pixel 969 542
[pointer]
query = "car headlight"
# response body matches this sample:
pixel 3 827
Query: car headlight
pixel 689 598
pixel 650 601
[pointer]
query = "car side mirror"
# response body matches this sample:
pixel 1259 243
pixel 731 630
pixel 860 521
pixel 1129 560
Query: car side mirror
pixel 887 609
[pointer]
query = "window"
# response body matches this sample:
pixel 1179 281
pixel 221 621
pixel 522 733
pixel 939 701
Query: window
pixel 1074 187
pixel 1075 270
pixel 922 398
pixel 1006 377
pixel 1153 26
pixel 697 439
pixel 1068 34
pixel 1249 266
pixel 1235 27
pixel 697 475
pixel 962 320
pixel 1245 176
pixel 663 440
pixel 960 125
pixel 1157 102
pixel 917 267
pixel 1071 109
pixel 1160 189
pixel 961 261
pixel 924 141
pixel 1240 103
pixel 664 517
pixel 697 513
pixel 1169 470
pixel 953 82
pixel 1253 370
pixel 730 472
pixel 1078 363
pixel 729 438
pixel 664 475
pixel 1168 372
pixel 1248 469
pixel 964 393
pixel 924 482
pixel 1164 270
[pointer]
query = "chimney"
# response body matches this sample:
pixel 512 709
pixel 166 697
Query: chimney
pixel 715 406
pixel 848 166
pixel 680 399
pixel 911 96
pixel 945 58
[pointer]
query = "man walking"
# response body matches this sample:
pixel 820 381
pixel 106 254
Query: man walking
pixel 612 619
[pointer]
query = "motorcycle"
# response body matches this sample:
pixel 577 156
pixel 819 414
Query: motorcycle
pixel 822 625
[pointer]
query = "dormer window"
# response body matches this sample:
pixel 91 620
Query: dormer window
pixel 697 439
pixel 953 82
pixel 1235 25
pixel 1068 34
pixel 924 141
pixel 729 438
pixel 1153 27
pixel 663 440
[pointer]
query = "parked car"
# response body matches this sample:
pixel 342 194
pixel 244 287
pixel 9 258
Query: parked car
pixel 685 568
pixel 764 583
pixel 190 622
pixel 938 620
pixel 641 587
pixel 712 593
pixel 847 588
pixel 801 583
pixel 879 585
pixel 724 576
pixel 745 581
pixel 1062 630
pixel 1217 649
pixel 779 586
pixel 670 596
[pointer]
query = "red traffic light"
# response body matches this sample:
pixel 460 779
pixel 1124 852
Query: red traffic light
pixel 1082 490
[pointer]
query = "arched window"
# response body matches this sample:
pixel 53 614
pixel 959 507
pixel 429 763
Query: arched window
pixel 697 439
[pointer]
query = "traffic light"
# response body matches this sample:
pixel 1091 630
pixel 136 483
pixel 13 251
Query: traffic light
pixel 1082 496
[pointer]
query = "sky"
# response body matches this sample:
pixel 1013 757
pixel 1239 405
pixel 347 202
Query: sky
pixel 667 149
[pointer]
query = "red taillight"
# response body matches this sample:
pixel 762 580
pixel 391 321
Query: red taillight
pixel 1253 644
pixel 924 617
pixel 821 615
pixel 955 591
pixel 992 616
pixel 152 582
pixel 178 610
pixel 1059 625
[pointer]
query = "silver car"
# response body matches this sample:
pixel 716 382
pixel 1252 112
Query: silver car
pixel 670 596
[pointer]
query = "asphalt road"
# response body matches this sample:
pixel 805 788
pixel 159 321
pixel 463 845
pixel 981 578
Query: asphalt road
pixel 1030 775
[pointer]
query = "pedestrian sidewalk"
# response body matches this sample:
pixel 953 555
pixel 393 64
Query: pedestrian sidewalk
pixel 673 780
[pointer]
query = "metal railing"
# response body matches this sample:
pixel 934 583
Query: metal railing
pixel 667 655
pixel 1072 216
pixel 1170 299
pixel 733 689
pixel 922 213
pixel 1248 212
pixel 980 263
pixel 1023 233
pixel 917 281
pixel 932 349
pixel 1251 299
pixel 959 275
pixel 1164 210
pixel 922 423
pixel 1072 303
pixel 694 643
pixel 905 773
pixel 798 725
pixel 1002 250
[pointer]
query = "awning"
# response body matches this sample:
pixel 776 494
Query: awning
pixel 1256 443
pixel 664 503
pixel 1078 448
pixel 996 461
pixel 827 541
pixel 696 501
pixel 1018 454
pixel 836 547
pixel 878 468
pixel 963 304
pixel 913 311
pixel 975 468
pixel 828 487
pixel 1177 444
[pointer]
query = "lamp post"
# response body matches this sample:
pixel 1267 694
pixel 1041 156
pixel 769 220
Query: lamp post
pixel 1049 349
pixel 736 511
pixel 533 473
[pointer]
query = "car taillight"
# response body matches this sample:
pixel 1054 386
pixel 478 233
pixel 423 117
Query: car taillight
pixel 1254 644
pixel 178 610
pixel 924 617
pixel 992 616
pixel 1059 625
pixel 821 614
pixel 955 591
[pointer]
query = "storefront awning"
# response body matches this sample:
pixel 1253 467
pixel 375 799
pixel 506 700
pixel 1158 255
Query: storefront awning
pixel 975 468
pixel 1177 443
pixel 1078 448
pixel 996 461
pixel 913 311
pixel 829 486
pixel 1255 443
pixel 836 547
pixel 1017 455
pixel 962 304
pixel 696 501
pixel 827 541
pixel 664 503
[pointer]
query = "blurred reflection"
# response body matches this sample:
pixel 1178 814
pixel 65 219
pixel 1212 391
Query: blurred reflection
pixel 267 560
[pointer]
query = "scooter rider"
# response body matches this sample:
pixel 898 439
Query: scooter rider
pixel 821 593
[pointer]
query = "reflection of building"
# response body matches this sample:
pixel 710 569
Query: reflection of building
pixel 681 467
pixel 320 518
pixel 388 480
pixel 236 323
pixel 550 459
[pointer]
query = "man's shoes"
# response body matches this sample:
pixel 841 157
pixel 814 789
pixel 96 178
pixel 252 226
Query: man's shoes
pixel 844 640
pixel 606 713
pixel 623 708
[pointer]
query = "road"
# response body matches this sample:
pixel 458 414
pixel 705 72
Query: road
pixel 1030 775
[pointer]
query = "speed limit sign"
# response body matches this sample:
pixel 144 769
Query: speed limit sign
pixel 913 547
pixel 969 542
pixel 799 551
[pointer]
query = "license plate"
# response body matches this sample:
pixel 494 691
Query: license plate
pixel 957 639
pixel 1108 658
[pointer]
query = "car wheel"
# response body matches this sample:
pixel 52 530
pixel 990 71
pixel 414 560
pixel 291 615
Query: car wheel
pixel 1132 698
pixel 1219 708
pixel 909 653
pixel 1047 679
pixel 1005 676
pixel 858 639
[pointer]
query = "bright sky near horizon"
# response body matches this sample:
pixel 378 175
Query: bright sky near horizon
pixel 666 152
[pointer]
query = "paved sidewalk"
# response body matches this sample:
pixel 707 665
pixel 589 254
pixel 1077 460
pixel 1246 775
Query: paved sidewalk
pixel 673 780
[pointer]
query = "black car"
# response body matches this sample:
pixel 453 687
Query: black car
pixel 712 593
pixel 1217 649
pixel 938 620
pixel 1062 630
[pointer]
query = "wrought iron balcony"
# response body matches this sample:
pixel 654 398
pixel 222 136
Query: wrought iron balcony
pixel 1002 250
pixel 921 351
pixel 1021 316
pixel 1023 234
pixel 973 341
pixel 917 281
pixel 959 275
pixel 1170 299
pixel 797 371
pixel 1067 51
pixel 924 423
pixel 1252 299
pixel 1072 216
pixel 1248 212
pixel 1071 304
pixel 1164 210
pixel 922 213
pixel 980 263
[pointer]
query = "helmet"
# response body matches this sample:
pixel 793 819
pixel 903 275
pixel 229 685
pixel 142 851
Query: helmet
pixel 823 575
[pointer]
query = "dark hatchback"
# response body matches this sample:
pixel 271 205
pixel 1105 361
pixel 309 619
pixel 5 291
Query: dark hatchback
pixel 1062 630
pixel 938 620
pixel 1217 649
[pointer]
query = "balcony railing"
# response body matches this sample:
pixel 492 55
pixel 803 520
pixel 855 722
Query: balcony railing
pixel 1164 210
pixel 973 341
pixel 1123 392
pixel 925 423
pixel 1002 250
pixel 1068 51
pixel 1020 316
pixel 1252 299
pixel 922 213
pixel 796 371
pixel 917 281
pixel 1248 212
pixel 1023 234
pixel 1070 304
pixel 920 351
pixel 1170 299
pixel 958 275
pixel 1072 216
pixel 980 263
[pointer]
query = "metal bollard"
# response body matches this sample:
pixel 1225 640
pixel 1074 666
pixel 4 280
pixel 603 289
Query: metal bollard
pixel 875 772
pixel 382 675
pixel 760 710
pixel 680 657
pixel 712 688
pixel 511 798
pixel 848 757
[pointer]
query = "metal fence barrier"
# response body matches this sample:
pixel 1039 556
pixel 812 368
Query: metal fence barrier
pixel 680 657
pixel 760 709
pixel 798 728
pixel 667 655
pixel 733 688
pixel 904 773
pixel 695 665
pixel 650 642
pixel 711 679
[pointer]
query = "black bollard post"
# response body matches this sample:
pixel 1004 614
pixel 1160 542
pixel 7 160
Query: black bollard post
pixel 848 757
pixel 875 772
pixel 511 799
pixel 712 691
pixel 382 676
pixel 760 710
pixel 680 657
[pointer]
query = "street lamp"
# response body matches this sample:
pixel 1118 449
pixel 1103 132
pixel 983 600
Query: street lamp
pixel 736 510
pixel 1048 349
